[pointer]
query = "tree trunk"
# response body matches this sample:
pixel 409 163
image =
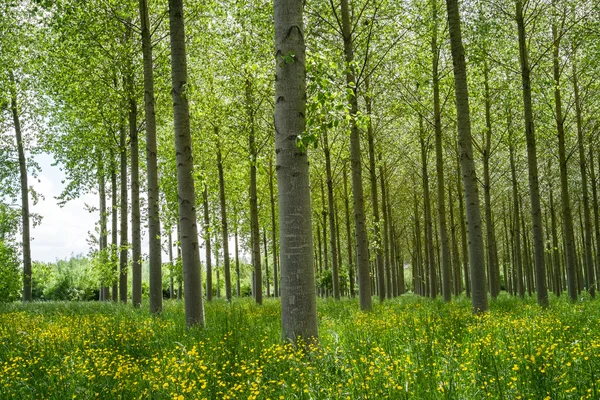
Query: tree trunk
pixel 123 218
pixel 477 260
pixel 273 230
pixel 24 191
pixel 534 190
pixel 194 308
pixel 104 290
pixel 595 206
pixel 335 279
pixel 348 233
pixel 555 252
pixel 457 281
pixel 463 230
pixel 489 222
pixel 237 256
pixel 154 235
pixel 266 263
pixel 429 251
pixel 114 224
pixel 589 258
pixel 254 228
pixel 385 235
pixel 439 159
pixel 418 270
pixel 171 267
pixel 136 238
pixel 224 226
pixel 324 226
pixel 362 241
pixel 298 297
pixel 207 246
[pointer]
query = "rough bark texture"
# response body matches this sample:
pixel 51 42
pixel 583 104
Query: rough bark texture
pixel 194 309
pixel 534 190
pixel 154 251
pixel 26 237
pixel 471 193
pixel 298 297
pixel 224 225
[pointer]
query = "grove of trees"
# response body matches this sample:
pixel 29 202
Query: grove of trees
pixel 347 148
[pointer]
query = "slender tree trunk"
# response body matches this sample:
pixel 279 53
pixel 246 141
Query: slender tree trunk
pixel 136 238
pixel 455 257
pixel 104 290
pixel 556 252
pixel 534 190
pixel 273 230
pixel 224 226
pixel 298 297
pixel 595 206
pixel 123 218
pixel 114 231
pixel 589 258
pixel 479 294
pixel 171 267
pixel 207 246
pixel 362 241
pixel 190 249
pixel 254 228
pixel 489 222
pixel 348 233
pixel 429 250
pixel 266 263
pixel 439 159
pixel 324 226
pixel 335 279
pixel 418 271
pixel 24 191
pixel 518 266
pixel 154 250
pixel 237 256
pixel 463 230
pixel 385 235
pixel 339 250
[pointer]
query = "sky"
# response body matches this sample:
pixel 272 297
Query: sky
pixel 63 230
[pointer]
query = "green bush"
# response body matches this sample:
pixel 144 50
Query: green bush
pixel 10 276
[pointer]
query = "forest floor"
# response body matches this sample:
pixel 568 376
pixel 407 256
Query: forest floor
pixel 406 348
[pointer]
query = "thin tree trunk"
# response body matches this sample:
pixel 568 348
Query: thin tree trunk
pixel 324 226
pixel 534 190
pixel 348 233
pixel 207 246
pixel 555 252
pixel 273 230
pixel 266 263
pixel 190 249
pixel 455 257
pixel 114 224
pixel 104 290
pixel 136 238
pixel 171 267
pixel 385 235
pixel 595 206
pixel 476 256
pixel 123 218
pixel 237 256
pixel 298 297
pixel 463 230
pixel 154 250
pixel 224 226
pixel 430 263
pixel 335 279
pixel 254 228
pixel 362 241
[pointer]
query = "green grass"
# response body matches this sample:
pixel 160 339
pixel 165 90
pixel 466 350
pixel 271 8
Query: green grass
pixel 408 348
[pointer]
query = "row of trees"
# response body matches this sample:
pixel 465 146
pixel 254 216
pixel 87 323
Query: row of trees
pixel 376 111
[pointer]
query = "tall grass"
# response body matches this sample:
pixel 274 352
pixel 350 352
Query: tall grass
pixel 408 348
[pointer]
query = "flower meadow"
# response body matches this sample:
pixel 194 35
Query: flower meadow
pixel 407 348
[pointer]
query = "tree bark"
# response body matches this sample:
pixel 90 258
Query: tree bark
pixel 298 297
pixel 27 295
pixel 123 246
pixel 463 230
pixel 194 308
pixel 154 234
pixel 335 279
pixel 273 230
pixel 385 235
pixel 477 260
pixel 534 190
pixel 136 238
pixel 114 224
pixel 429 251
pixel 207 246
pixel 360 230
pixel 348 233
pixel 224 225
pixel 595 206
pixel 103 242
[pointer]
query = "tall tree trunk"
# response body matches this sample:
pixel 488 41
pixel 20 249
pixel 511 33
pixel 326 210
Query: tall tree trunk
pixel 349 240
pixel 589 258
pixel 123 218
pixel 136 238
pixel 489 222
pixel 520 289
pixel 595 206
pixel 534 189
pixel 207 246
pixel 266 263
pixel 254 228
pixel 463 230
pixel 429 251
pixel 171 267
pixel 237 258
pixel 362 241
pixel 335 279
pixel 114 224
pixel 418 271
pixel 439 159
pixel 385 235
pixel 190 249
pixel 24 190
pixel 104 290
pixel 457 281
pixel 298 297
pixel 224 226
pixel 477 260
pixel 154 250
pixel 324 226
pixel 381 289
pixel 556 252
pixel 273 230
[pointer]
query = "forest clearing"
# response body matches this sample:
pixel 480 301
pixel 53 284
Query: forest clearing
pixel 407 348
